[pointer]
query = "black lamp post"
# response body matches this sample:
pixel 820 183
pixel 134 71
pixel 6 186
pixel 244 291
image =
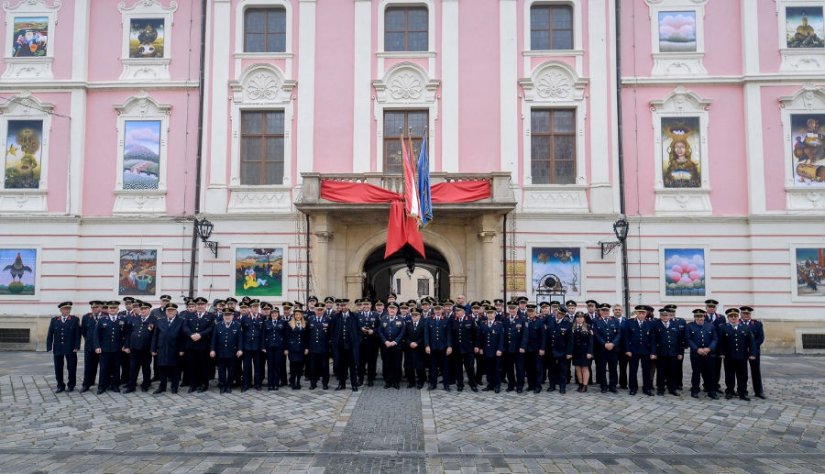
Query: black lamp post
pixel 204 229
pixel 620 228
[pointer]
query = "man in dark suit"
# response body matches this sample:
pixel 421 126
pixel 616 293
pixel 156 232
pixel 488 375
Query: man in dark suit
pixel 558 346
pixel 138 344
pixel 737 348
pixel 702 341
pixel 608 335
pixel 491 344
pixel 391 335
pixel 368 321
pixel 319 337
pixel 438 345
pixel 640 347
pixel 198 327
pixel 465 345
pixel 63 340
pixel 414 350
pixel 758 333
pixel 110 333
pixel 226 347
pixel 345 339
pixel 87 331
pixel 167 344
pixel 716 320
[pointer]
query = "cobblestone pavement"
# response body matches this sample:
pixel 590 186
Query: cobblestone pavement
pixel 399 431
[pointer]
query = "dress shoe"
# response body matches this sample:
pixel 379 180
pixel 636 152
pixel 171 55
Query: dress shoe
pixel 115 389
pixel 562 390
pixel 519 390
pixel 660 393
pixel 474 388
pixel 244 389
pixel 460 388
pixel 144 389
pixel 431 387
pixel 326 386
pixel 744 397
pixel 85 388
pixel 192 389
pixel 174 390
pixel 160 390
pixel 60 390
pixel 397 386
pixel 510 388
pixel 498 389
pixel 713 396
pixel 268 389
pixel 129 390
pixel 604 390
pixel 410 385
pixel 487 389
pixel 229 389
pixel 419 386
pixel 649 393
pixel 71 389
pixel 203 389
pixel 294 387
pixel 694 394
pixel 360 380
pixel 257 387
pixel 584 389
pixel 673 392
pixel 100 391
pixel 312 386
pixel 632 392
pixel 446 388
pixel 551 389
pixel 537 390
pixel 370 383
pixel 340 386
pixel 760 395
pixel 613 390
pixel 580 388
pixel 277 387
pixel 184 384
pixel 728 396
pixel 355 388
pixel 387 385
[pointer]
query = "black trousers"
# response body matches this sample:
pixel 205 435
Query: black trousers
pixel 480 368
pixel 717 375
pixel 109 370
pixel 633 382
pixel 282 371
pixel 170 374
pixel 226 372
pixel 347 365
pixel 391 358
pixel 493 365
pixel 623 361
pixel 756 376
pixel 252 366
pixel 666 373
pixel 702 366
pixel 197 367
pixel 238 374
pixel 680 364
pixel 140 360
pixel 296 371
pixel 438 360
pixel 463 363
pixel 414 366
pixel 533 368
pixel 319 368
pixel 90 362
pixel 606 369
pixel 368 359
pixel 125 363
pixel 559 371
pixel 514 368
pixel 71 366
pixel 274 359
pixel 736 376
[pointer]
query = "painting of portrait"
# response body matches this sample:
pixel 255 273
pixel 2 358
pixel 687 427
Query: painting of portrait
pixel 677 32
pixel 684 272
pixel 259 271
pixel 810 271
pixel 808 148
pixel 680 152
pixel 804 27
pixel 563 263
pixel 141 154
pixel 137 272
pixel 146 37
pixel 30 36
pixel 24 140
pixel 18 272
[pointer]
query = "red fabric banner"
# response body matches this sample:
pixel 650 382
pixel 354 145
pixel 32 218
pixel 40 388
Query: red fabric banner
pixel 402 230
pixel 460 191
pixel 348 191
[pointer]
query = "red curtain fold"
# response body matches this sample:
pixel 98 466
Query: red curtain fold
pixel 460 191
pixel 348 191
pixel 401 230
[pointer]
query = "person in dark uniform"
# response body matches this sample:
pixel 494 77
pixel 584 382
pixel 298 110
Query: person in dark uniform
pixel 758 333
pixel 158 313
pixel 717 321
pixel 131 307
pixel 464 340
pixel 225 347
pixel 533 362
pixel 319 336
pixel 198 327
pixel 737 348
pixel 515 341
pixel 109 337
pixel 414 350
pixel 252 333
pixel 702 340
pixel 618 313
pixel 368 321
pixel 607 333
pixel 63 340
pixel 87 331
pixel 558 344
pixel 681 324
pixel 138 342
pixel 391 335
pixel 669 352
pixel 438 344
pixel 345 339
pixel 168 344
pixel 491 345
pixel 582 350
pixel 297 347
pixel 640 347
pixel 274 345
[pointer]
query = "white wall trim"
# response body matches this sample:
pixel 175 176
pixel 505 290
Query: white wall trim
pixel 306 91
pixel 508 96
pixel 449 90
pixel 218 99
pixel 362 65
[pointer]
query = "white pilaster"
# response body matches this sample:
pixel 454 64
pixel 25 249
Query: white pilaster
pixel 362 119
pixel 750 40
pixel 306 87
pixel 78 108
pixel 508 74
pixel 217 83
pixel 449 86
pixel 601 197
pixel 754 147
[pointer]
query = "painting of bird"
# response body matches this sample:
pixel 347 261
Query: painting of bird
pixel 17 269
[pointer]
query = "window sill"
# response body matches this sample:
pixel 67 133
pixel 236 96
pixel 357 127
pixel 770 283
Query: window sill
pixel 32 68
pixel 143 69
pixel 256 199
pixel 802 59
pixel 683 201
pixel 23 200
pixel 135 201
pixel 557 198
pixel 552 52
pixel 405 54
pixel 679 64
pixel 267 55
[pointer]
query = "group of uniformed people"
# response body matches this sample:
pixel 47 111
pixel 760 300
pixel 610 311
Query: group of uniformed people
pixel 250 343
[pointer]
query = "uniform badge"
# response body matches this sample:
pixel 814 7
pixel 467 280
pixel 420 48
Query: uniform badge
pixel 494 331
pixel 398 323
pixel 150 327
pixel 385 324
pixel 518 326
pixel 121 323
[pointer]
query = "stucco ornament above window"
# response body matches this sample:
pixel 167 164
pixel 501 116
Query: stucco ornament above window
pixel 406 84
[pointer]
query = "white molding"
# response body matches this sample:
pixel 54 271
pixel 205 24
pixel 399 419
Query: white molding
pixel 755 150
pixel 76 152
pixel 670 64
pixel 508 77
pixel 23 201
pixel 553 85
pixel 25 106
pixel 562 198
pixel 793 246
pixel 159 262
pixel 750 36
pixel 38 270
pixel 215 197
pixel 405 86
pixel 129 202
pixel 599 151
pixel 578 36
pixel 151 68
pixel 362 65
pixel 554 242
pixel 31 68
pixel 798 60
pixel 662 266
pixel 681 103
pixel 431 45
pixel 267 199
pixel 809 195
pixel 240 55
pixel 275 242
pixel 305 131
pixel 450 52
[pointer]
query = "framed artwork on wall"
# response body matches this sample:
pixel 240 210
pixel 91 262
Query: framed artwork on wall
pixel 258 271
pixel 137 271
pixel 683 273
pixel 19 272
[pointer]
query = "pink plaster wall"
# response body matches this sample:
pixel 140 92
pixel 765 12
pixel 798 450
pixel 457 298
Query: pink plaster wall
pixel 769 58
pixel 723 38
pixel 60 141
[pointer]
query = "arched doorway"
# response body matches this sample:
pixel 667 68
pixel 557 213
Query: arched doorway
pixel 406 274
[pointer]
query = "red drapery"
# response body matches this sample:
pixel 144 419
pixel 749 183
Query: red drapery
pixel 403 229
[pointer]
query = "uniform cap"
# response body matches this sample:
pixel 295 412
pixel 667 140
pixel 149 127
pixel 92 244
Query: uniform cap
pixel 266 305
pixel 711 303
pixel 231 300
pixel 699 312
pixel 498 301
pixel 392 305
pixel 458 307
pixel 65 304
pixel 312 298
pixel 593 302
pixel 544 304
pixel 329 299
pixel 128 299
pixel 201 300
pixel 165 297
pixel 531 307
pixel 286 304
pixel 571 303
pixel 745 309
pixel 522 299
pixel 604 306
pixel 145 305
pixel 489 309
pixel 254 302
pixel 228 312
pixel 170 306
pixel 95 303
pixel 732 312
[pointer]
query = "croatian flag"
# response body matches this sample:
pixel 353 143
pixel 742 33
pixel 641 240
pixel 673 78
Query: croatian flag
pixel 411 202
pixel 425 199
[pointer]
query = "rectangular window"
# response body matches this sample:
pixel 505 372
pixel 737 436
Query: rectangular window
pixel 265 30
pixel 262 147
pixel 553 146
pixel 405 29
pixel 411 123
pixel 551 27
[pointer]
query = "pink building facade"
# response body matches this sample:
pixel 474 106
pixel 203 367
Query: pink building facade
pixel 106 163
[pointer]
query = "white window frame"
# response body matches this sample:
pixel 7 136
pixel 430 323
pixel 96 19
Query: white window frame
pixel 663 282
pixel 430 54
pixel 158 275
pixel 578 39
pixel 795 296
pixel 37 276
pixel 142 107
pixel 798 59
pixel 406 86
pixel 809 99
pixel 261 87
pixel 240 15
pixel 676 64
pixel 143 69
pixel 582 246
pixel 25 106
pixel 31 68
pixel 680 201
pixel 283 244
